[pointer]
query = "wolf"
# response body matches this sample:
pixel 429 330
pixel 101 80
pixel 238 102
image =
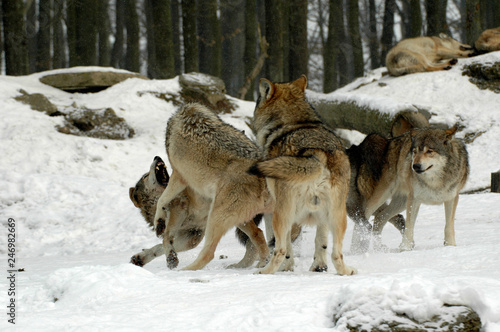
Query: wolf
pixel 423 166
pixel 189 208
pixel 212 158
pixel 367 162
pixel 306 169
pixel 488 41
pixel 422 54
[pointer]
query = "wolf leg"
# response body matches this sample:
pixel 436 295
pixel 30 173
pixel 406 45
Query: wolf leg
pixel 174 187
pixel 255 247
pixel 147 255
pixel 338 225
pixel 282 223
pixel 450 208
pixel 288 263
pixel 361 237
pixel 412 207
pixel 320 246
pixel 382 215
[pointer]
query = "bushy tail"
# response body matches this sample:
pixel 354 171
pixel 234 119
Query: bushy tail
pixel 290 168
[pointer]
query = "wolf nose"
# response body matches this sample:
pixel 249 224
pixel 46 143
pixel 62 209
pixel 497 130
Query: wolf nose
pixel 418 168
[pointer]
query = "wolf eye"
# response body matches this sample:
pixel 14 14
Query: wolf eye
pixel 430 151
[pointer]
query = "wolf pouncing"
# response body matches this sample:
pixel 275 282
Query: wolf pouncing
pixel 211 157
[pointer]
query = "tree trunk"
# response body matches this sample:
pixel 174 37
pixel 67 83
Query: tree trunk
pixel 432 11
pixel 31 36
pixel 44 36
pixel 71 31
pixel 415 27
pixel 274 36
pixel 209 32
pixel 473 21
pixel 388 28
pixel 373 36
pixel 297 27
pixel 232 23
pixel 189 36
pixel 163 44
pixel 132 55
pixel 249 56
pixel 176 35
pixel 117 51
pixel 86 32
pixel 103 28
pixel 330 54
pixel 59 57
pixel 357 46
pixel 14 31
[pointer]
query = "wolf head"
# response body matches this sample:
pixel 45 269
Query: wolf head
pixel 431 149
pixel 149 188
pixel 454 44
pixel 280 102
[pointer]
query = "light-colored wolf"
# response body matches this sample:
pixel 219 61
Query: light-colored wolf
pixel 306 169
pixel 423 54
pixel 488 41
pixel 423 166
pixel 190 211
pixel 212 158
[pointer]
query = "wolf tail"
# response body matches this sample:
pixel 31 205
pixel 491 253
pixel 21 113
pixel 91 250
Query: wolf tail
pixel 289 168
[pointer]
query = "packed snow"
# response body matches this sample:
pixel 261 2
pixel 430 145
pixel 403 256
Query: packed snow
pixel 76 227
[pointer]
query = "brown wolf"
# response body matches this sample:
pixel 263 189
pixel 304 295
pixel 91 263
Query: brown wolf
pixel 423 54
pixel 423 166
pixel 306 169
pixel 191 211
pixel 212 158
pixel 488 41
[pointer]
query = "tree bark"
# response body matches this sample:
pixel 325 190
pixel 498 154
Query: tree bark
pixel 209 33
pixel 117 59
pixel 274 36
pixel 132 55
pixel 373 43
pixel 43 59
pixel 31 35
pixel 86 33
pixel 189 35
pixel 14 32
pixel 332 49
pixel 176 35
pixel 297 26
pixel 473 21
pixel 415 19
pixel 388 28
pixel 59 56
pixel 355 34
pixel 103 28
pixel 249 56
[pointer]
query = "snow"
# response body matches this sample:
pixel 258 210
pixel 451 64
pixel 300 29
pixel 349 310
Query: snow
pixel 76 227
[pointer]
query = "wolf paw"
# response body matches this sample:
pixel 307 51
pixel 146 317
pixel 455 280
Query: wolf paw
pixel 160 227
pixel 137 260
pixel 319 268
pixel 453 61
pixel 349 271
pixel 172 260
pixel 407 246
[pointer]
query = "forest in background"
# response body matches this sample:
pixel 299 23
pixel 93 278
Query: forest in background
pixel 332 41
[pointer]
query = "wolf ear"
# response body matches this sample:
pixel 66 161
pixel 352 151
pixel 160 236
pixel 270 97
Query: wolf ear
pixel 442 35
pixel 131 192
pixel 266 88
pixel 451 132
pixel 301 83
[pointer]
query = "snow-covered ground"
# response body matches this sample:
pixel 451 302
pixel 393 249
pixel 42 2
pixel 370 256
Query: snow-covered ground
pixel 76 228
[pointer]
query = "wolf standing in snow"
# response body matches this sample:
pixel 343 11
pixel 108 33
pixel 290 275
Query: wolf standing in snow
pixel 212 158
pixel 306 169
pixel 423 54
pixel 423 166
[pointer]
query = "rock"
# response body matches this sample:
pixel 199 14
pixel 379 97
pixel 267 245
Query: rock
pixel 484 75
pixel 38 102
pixel 89 81
pixel 456 318
pixel 103 123
pixel 207 90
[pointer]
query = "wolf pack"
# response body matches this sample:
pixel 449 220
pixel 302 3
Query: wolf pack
pixel 298 173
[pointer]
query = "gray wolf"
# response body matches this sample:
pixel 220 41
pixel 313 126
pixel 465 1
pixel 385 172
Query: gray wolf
pixel 422 54
pixel 488 41
pixel 367 160
pixel 307 172
pixel 423 166
pixel 212 158
pixel 190 211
